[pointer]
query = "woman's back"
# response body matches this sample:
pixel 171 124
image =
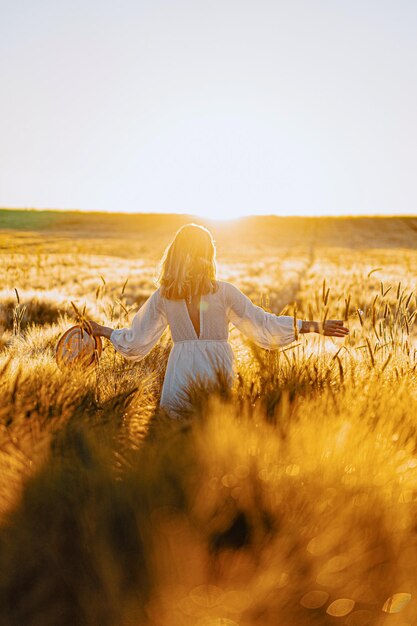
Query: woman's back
pixel 210 309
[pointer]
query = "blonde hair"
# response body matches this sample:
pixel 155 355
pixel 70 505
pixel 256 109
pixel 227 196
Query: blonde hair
pixel 188 266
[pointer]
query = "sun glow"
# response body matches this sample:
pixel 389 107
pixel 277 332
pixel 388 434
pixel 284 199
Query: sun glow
pixel 222 215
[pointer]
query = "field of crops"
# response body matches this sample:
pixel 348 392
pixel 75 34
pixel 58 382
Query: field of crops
pixel 291 500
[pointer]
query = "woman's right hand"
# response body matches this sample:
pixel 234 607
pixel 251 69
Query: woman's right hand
pixel 331 328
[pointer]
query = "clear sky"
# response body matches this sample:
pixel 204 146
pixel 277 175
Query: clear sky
pixel 210 107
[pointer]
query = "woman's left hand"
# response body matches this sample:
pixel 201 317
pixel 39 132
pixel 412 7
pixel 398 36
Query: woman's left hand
pixel 330 328
pixel 333 328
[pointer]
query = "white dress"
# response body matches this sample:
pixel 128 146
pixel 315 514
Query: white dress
pixel 194 357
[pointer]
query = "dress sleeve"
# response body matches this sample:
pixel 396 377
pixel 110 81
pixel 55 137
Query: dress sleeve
pixel 147 327
pixel 265 329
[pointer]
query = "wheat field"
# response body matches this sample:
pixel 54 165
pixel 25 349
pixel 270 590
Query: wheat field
pixel 290 500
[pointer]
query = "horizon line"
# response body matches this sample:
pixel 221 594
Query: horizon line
pixel 205 217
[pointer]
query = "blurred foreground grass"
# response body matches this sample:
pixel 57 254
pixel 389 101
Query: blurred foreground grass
pixel 291 500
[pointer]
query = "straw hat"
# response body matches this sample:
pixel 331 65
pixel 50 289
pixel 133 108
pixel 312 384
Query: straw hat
pixel 77 347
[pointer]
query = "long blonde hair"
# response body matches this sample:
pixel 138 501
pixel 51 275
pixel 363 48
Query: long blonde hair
pixel 188 266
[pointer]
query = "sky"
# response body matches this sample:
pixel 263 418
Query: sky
pixel 218 108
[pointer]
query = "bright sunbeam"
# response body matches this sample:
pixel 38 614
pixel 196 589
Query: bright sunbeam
pixel 222 215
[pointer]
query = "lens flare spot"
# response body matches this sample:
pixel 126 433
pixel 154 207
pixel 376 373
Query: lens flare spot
pixel 337 563
pixel 314 599
pixel 324 543
pixel 207 596
pixel 229 480
pixel 340 607
pixel 282 580
pixel 342 435
pixel 242 471
pixel 292 470
pixel 408 465
pixel 396 602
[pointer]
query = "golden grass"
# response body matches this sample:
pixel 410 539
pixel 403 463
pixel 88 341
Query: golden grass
pixel 290 500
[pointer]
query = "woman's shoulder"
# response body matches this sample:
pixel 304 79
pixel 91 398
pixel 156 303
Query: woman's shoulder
pixel 226 289
pixel 221 286
pixel 157 297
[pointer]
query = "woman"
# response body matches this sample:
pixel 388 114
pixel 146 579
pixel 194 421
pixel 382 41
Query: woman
pixel 198 309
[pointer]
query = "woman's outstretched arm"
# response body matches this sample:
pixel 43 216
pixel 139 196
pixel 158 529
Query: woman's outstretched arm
pixel 269 330
pixel 147 327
